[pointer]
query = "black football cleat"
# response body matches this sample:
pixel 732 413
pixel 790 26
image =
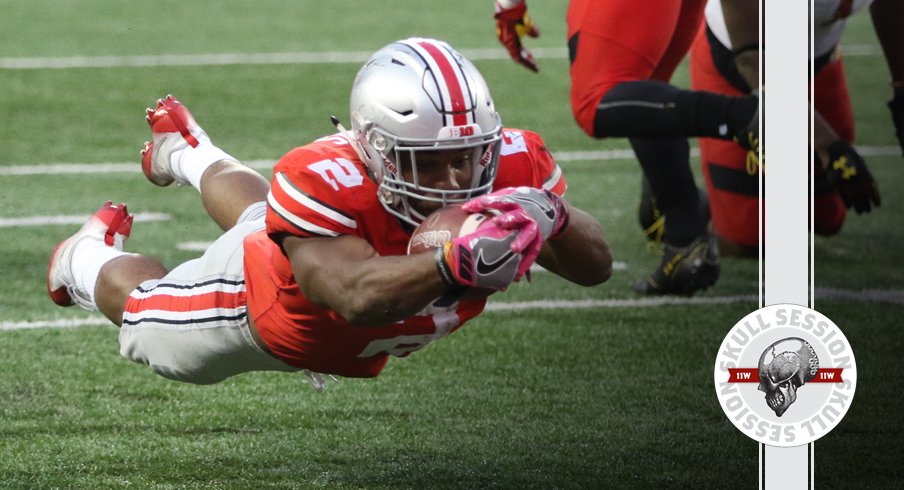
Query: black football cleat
pixel 684 270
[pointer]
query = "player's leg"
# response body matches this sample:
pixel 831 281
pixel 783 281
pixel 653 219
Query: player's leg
pixel 666 161
pixel 182 152
pixel 730 172
pixel 90 268
pixel 832 99
pixel 687 26
pixel 192 325
pixel 615 50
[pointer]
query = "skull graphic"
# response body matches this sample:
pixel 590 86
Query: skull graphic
pixel 784 367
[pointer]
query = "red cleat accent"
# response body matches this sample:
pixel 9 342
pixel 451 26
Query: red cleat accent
pixel 171 116
pixel 113 225
pixel 173 128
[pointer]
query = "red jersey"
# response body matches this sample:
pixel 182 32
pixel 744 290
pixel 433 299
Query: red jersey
pixel 322 190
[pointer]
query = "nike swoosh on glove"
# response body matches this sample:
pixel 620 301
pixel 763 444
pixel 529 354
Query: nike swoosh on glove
pixel 498 253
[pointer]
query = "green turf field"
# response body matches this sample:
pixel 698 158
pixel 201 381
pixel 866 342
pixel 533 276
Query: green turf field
pixel 617 394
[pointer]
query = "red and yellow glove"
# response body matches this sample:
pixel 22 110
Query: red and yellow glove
pixel 513 23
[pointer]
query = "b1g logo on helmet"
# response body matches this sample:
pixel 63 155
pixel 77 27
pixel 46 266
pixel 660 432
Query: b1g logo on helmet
pixel 785 375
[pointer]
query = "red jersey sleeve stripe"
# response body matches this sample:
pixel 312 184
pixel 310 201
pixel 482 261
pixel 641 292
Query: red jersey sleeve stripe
pixel 295 221
pixel 291 190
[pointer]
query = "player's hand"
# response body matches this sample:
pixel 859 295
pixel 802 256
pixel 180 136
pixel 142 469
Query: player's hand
pixel 511 25
pixel 848 174
pixel 896 105
pixel 545 207
pixel 499 252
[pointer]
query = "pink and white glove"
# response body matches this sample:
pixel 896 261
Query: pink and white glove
pixel 499 252
pixel 545 207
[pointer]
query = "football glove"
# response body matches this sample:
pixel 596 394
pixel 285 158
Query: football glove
pixel 512 24
pixel 896 106
pixel 546 208
pixel 848 174
pixel 499 252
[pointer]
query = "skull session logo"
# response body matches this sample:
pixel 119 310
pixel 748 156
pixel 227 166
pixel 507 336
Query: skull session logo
pixel 785 375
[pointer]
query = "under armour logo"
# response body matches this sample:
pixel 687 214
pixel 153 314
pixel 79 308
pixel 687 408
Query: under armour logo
pixel 841 165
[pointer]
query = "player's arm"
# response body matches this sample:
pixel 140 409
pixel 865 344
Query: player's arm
pixel 346 275
pixel 742 23
pixel 845 168
pixel 580 253
pixel 512 24
pixel 574 245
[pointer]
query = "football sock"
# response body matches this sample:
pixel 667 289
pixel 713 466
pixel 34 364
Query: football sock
pixel 666 165
pixel 88 256
pixel 651 108
pixel 190 163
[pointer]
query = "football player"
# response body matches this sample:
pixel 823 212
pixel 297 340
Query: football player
pixel 623 54
pixel 311 273
pixel 725 58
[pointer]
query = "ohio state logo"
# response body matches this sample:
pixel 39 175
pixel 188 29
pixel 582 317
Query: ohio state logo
pixel 785 375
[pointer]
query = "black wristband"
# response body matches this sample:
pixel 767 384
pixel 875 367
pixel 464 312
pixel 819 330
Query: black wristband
pixel 564 226
pixel 561 207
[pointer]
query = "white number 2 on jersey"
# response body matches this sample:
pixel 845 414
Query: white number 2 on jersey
pixel 338 172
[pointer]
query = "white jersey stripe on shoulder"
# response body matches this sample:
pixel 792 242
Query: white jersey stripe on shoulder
pixel 297 220
pixel 292 191
pixel 553 179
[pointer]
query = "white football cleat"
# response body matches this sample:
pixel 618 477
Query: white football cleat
pixel 110 224
pixel 173 129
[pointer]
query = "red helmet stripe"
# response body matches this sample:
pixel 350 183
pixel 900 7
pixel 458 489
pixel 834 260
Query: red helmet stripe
pixel 459 105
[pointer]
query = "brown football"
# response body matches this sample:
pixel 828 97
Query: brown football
pixel 441 226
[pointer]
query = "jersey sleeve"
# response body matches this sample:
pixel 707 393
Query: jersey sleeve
pixel 525 160
pixel 312 196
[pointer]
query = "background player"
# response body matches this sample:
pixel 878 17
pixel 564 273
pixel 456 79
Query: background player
pixel 623 53
pixel 311 272
pixel 725 59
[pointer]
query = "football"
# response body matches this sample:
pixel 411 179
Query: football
pixel 443 225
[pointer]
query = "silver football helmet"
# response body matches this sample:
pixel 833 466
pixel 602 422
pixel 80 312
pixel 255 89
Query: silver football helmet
pixel 419 95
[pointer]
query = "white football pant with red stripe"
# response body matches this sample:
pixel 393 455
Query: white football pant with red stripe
pixel 192 325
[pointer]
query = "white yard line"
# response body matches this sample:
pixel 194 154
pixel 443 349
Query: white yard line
pixel 300 57
pixel 895 296
pixel 98 168
pixel 135 168
pixel 75 219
